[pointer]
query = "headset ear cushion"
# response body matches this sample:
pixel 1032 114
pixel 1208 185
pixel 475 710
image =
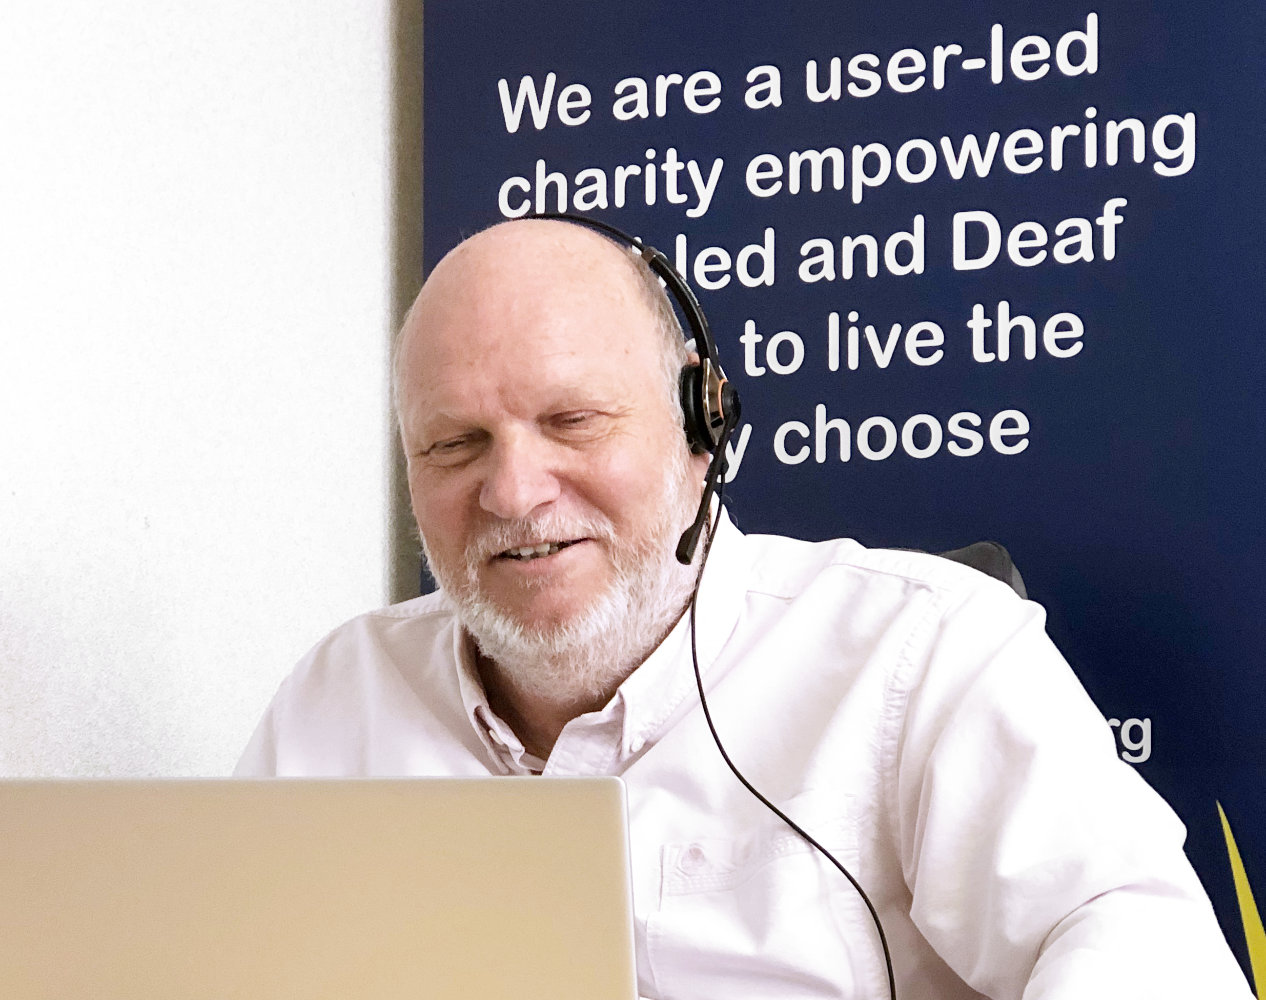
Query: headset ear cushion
pixel 694 409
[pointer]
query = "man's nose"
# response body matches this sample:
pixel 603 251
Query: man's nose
pixel 520 477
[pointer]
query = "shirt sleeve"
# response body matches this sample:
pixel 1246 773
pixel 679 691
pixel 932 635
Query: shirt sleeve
pixel 1040 865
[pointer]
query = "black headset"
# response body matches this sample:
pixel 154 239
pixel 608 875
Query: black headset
pixel 709 400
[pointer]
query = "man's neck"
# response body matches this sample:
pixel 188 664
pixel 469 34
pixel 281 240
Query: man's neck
pixel 536 719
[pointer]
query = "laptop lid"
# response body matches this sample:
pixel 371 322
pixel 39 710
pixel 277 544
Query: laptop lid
pixel 373 889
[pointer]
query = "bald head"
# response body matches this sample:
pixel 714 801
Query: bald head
pixel 536 259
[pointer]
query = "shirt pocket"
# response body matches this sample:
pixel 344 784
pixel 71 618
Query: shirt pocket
pixel 764 915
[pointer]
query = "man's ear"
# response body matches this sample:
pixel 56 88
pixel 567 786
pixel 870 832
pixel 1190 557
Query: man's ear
pixel 699 462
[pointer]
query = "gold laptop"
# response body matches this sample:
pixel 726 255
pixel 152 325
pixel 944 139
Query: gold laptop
pixel 373 889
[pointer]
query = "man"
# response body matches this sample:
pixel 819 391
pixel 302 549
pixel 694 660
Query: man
pixel 910 713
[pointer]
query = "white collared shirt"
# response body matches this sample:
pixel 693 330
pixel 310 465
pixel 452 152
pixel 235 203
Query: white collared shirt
pixel 909 712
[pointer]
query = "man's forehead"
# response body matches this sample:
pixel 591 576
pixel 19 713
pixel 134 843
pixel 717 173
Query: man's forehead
pixel 542 354
pixel 450 391
pixel 462 387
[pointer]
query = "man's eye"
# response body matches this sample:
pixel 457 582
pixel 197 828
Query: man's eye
pixel 578 421
pixel 451 451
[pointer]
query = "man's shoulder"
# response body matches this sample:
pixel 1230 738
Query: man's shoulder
pixel 428 611
pixel 411 633
pixel 378 694
pixel 780 562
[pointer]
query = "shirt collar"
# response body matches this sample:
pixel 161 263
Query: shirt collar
pixel 506 750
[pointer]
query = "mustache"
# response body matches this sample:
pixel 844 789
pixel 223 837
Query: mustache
pixel 551 526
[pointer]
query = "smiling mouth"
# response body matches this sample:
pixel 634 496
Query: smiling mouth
pixel 525 553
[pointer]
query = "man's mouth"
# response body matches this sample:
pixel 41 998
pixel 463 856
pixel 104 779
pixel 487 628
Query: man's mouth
pixel 524 553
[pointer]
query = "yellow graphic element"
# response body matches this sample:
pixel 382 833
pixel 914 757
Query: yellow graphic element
pixel 1254 933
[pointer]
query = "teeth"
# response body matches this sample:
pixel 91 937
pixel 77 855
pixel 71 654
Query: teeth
pixel 534 551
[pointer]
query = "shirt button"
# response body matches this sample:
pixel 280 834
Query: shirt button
pixel 693 860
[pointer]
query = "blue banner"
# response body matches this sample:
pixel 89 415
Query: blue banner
pixel 978 272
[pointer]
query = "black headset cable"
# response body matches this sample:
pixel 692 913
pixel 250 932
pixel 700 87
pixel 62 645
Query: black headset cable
pixel 716 738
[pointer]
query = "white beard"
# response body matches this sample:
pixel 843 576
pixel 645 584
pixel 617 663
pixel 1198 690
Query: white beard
pixel 588 655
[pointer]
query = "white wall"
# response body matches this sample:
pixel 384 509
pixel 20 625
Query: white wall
pixel 194 319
